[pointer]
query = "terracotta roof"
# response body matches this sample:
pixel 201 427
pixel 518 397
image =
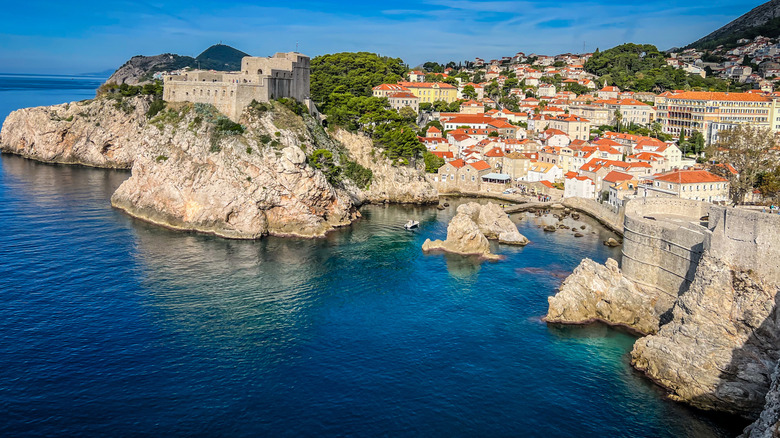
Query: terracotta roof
pixel 547 184
pixel 433 129
pixel 458 163
pixel 711 95
pixel 404 95
pixel 495 152
pixel 390 87
pixel 443 85
pixel 690 177
pixel 443 154
pixel 480 165
pixel 616 176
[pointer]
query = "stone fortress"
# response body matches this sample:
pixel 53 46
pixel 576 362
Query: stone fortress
pixel 665 239
pixel 260 79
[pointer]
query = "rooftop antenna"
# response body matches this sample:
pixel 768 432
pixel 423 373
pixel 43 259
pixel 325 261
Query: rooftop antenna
pixel 296 46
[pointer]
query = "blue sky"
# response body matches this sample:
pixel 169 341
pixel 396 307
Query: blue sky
pixel 89 35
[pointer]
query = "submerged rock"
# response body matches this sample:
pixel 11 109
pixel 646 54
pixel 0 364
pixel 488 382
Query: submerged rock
pixel 595 292
pixel 611 242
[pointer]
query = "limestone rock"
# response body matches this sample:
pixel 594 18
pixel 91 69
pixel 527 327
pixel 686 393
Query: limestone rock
pixel 185 174
pixel 722 344
pixel 550 228
pixel 396 184
pixel 97 133
pixel 512 238
pixel 463 237
pixel 493 221
pixel 768 423
pixel 595 292
pixel 611 242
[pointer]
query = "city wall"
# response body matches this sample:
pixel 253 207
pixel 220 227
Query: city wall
pixel 664 240
pixel 610 217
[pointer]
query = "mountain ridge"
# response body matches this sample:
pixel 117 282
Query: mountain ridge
pixel 763 20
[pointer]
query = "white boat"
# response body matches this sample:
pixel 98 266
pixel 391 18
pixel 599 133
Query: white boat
pixel 411 224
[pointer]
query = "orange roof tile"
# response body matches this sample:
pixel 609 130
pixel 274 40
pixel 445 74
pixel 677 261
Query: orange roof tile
pixel 690 177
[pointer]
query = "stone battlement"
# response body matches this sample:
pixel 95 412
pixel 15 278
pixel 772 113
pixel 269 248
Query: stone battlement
pixel 664 240
pixel 260 79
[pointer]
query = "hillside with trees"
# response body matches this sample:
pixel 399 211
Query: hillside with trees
pixel 642 67
pixel 341 86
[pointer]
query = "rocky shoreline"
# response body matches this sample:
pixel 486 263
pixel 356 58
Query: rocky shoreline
pixel 188 172
pixel 715 343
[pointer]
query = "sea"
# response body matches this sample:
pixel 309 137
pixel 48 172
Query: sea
pixel 110 326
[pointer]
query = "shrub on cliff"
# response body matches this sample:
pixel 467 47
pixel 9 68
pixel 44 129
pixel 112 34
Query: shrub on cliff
pixel 322 159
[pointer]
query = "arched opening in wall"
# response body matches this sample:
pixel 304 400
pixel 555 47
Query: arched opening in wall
pixel 259 71
pixel 208 92
pixel 223 93
pixel 245 81
pixel 231 93
pixel 201 92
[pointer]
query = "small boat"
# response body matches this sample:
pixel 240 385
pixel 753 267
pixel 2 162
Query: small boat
pixel 411 225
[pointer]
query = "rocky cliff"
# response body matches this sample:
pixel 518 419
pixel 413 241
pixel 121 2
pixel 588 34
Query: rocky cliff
pixel 595 292
pixel 405 185
pixel 100 133
pixel 722 345
pixel 191 168
pixel 768 423
pixel 759 16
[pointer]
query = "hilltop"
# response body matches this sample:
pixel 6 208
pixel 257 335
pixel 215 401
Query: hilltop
pixel 140 69
pixel 762 20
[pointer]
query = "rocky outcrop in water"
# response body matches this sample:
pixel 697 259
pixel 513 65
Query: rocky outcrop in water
pixel 393 184
pixel 190 172
pixel 470 229
pixel 722 345
pixel 105 133
pixel 595 292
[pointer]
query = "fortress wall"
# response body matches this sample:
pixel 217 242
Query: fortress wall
pixel 604 213
pixel 746 239
pixel 661 253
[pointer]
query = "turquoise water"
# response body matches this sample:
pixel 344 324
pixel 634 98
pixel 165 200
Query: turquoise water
pixel 110 326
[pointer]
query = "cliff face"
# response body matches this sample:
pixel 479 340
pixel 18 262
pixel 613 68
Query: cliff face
pixel 595 292
pixel 187 173
pixel 403 185
pixel 757 16
pixel 722 345
pixel 98 133
pixel 768 423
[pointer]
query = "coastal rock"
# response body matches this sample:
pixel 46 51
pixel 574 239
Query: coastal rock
pixel 721 347
pixel 463 237
pixel 214 193
pixel 103 133
pixel 768 423
pixel 390 184
pixel 611 242
pixel 595 292
pixel 186 173
pixel 512 238
pixel 550 228
pixel 493 221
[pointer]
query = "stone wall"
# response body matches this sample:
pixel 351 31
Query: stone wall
pixel 748 240
pixel 663 242
pixel 260 79
pixel 609 216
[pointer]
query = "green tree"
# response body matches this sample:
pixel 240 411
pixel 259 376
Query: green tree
pixel 432 162
pixel 469 92
pixel 322 159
